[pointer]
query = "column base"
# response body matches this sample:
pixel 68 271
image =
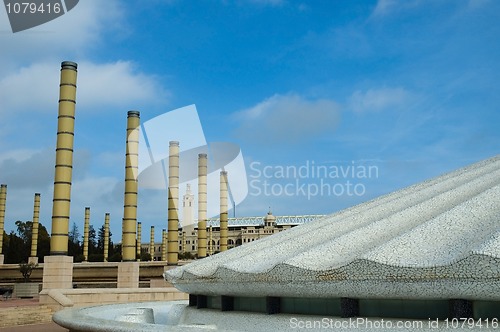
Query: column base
pixel 128 275
pixel 1 259
pixel 58 272
pixel 33 260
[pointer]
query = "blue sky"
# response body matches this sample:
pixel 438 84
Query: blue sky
pixel 409 87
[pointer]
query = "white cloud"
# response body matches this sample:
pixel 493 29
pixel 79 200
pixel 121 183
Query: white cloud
pixel 287 118
pixel 374 100
pixel 92 190
pixel 73 33
pixel 29 71
pixel 273 3
pixel 22 169
pixel 386 7
pixel 29 86
pixel 475 4
pixel 36 88
pixel 28 171
pixel 88 191
pixel 19 155
pixel 117 84
pixel 110 159
pixel 34 169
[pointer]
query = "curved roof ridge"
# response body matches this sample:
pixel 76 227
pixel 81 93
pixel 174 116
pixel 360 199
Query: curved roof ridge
pixel 490 247
pixel 423 246
pixel 348 247
pixel 314 234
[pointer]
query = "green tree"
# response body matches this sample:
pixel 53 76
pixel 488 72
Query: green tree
pixel 100 243
pixel 116 254
pixel 74 247
pixel 112 249
pixel 92 241
pixel 186 255
pixel 78 258
pixel 17 247
pixel 5 246
pixel 16 250
pixel 145 256
pixel 24 229
pixel 74 234
pixel 26 269
pixel 100 239
pixel 43 247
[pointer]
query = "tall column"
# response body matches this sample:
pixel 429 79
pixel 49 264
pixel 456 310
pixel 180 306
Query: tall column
pixel 64 160
pixel 210 239
pixel 187 207
pixel 139 241
pixel 106 236
pixel 152 243
pixel 223 211
pixel 34 231
pixel 202 205
pixel 130 200
pixel 128 269
pixel 58 267
pixel 184 242
pixel 3 198
pixel 173 203
pixel 164 245
pixel 86 235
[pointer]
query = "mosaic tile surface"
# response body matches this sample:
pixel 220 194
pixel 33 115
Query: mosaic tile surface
pixel 436 239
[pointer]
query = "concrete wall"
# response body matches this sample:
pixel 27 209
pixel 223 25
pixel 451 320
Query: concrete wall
pixel 58 299
pixel 86 272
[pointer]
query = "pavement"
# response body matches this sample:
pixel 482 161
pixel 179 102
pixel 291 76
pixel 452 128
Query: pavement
pixel 14 302
pixel 20 303
pixel 48 327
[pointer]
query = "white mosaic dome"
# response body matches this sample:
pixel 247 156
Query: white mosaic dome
pixel 437 239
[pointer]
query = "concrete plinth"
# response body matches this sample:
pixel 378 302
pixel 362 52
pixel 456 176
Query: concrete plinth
pixel 33 260
pixel 58 272
pixel 26 290
pixel 128 275
pixel 159 283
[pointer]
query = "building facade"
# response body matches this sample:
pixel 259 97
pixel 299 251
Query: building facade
pixel 241 230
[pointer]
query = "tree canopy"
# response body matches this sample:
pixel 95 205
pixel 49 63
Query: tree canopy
pixel 17 245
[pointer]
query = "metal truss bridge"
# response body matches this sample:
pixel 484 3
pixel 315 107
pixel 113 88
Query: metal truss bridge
pixel 256 221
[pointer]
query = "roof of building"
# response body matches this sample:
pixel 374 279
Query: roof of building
pixel 436 239
pixel 259 221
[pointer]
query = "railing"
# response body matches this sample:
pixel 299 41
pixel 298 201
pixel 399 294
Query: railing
pixel 256 221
